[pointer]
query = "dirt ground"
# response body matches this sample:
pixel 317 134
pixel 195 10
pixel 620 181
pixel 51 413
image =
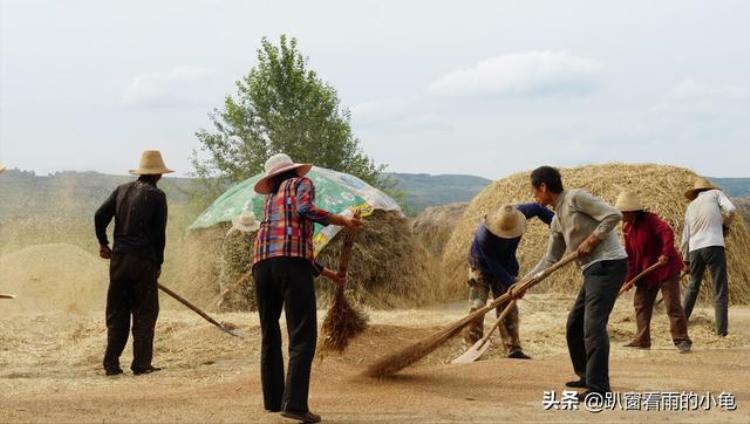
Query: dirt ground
pixel 49 370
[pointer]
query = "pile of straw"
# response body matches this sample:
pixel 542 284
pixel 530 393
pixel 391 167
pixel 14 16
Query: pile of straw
pixel 743 207
pixel 661 189
pixel 389 267
pixel 434 226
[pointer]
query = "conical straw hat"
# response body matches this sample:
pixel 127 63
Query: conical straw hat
pixel 506 222
pixel 151 164
pixel 701 184
pixel 245 222
pixel 628 201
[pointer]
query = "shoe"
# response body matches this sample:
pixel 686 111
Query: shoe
pixel 684 347
pixel 518 354
pixel 305 417
pixel 148 370
pixel 634 344
pixel 113 372
pixel 577 384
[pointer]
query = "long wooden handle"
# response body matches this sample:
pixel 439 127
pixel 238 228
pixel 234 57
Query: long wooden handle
pixel 499 320
pixel 524 284
pixel 194 308
pixel 629 285
pixel 7 296
pixel 346 250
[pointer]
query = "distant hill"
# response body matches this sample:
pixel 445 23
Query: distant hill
pixel 734 187
pixel 424 190
pixel 69 193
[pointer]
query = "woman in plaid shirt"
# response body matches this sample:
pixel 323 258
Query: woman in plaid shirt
pixel 283 269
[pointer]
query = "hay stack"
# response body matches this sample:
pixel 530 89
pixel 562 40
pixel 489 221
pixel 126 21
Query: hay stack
pixel 389 267
pixel 434 226
pixel 661 189
pixel 743 207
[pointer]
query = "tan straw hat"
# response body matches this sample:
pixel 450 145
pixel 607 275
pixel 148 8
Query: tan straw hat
pixel 245 222
pixel 628 201
pixel 278 164
pixel 151 164
pixel 506 222
pixel 701 184
pixel 2 168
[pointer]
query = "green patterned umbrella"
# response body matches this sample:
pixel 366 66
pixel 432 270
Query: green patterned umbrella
pixel 335 192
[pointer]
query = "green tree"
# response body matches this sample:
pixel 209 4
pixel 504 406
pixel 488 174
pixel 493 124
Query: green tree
pixel 280 106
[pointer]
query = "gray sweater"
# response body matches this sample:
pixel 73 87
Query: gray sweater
pixel 578 214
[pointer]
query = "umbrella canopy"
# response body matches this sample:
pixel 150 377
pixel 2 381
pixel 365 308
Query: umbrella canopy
pixel 335 192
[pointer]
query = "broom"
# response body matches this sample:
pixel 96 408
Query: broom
pixel 343 322
pixel 395 362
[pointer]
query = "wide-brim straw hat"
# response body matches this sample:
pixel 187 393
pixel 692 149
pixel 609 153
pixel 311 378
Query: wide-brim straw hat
pixel 628 201
pixel 245 222
pixel 276 165
pixel 506 222
pixel 151 164
pixel 701 184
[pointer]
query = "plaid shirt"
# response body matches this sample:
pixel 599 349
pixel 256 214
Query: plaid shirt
pixel 288 221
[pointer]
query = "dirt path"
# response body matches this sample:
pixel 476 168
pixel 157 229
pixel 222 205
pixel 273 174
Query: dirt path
pixel 210 377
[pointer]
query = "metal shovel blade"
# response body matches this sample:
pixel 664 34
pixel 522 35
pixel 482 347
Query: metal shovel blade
pixel 473 353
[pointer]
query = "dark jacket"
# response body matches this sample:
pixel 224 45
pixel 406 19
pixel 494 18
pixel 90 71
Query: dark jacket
pixel 496 256
pixel 140 212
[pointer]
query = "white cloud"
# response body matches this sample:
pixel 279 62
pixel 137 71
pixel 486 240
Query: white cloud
pixel 697 98
pixel 535 73
pixel 178 87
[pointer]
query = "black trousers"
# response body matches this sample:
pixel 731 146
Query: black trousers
pixel 132 290
pixel 715 259
pixel 286 283
pixel 588 340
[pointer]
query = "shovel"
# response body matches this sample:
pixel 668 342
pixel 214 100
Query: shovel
pixel 477 350
pixel 7 296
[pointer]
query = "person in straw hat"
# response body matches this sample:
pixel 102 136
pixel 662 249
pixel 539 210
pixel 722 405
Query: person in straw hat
pixel 707 221
pixel 493 266
pixel 283 270
pixel 650 240
pixel 585 224
pixel 236 251
pixel 139 209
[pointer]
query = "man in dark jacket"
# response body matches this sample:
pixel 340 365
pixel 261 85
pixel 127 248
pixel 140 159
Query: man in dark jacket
pixel 493 266
pixel 140 212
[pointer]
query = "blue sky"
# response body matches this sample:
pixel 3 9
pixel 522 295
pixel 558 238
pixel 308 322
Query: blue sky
pixel 484 88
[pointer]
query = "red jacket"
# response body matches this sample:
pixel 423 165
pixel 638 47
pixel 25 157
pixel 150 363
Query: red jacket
pixel 646 239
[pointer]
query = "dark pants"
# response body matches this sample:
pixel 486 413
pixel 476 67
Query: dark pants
pixel 645 295
pixel 715 258
pixel 132 290
pixel 286 283
pixel 588 340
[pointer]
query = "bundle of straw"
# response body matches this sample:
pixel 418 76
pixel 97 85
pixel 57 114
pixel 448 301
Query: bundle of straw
pixel 395 362
pixel 343 322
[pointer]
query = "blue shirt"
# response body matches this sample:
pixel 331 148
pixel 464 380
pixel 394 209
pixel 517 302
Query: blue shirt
pixel 496 256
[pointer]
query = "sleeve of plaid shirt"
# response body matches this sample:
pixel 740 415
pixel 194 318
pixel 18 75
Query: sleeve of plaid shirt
pixel 305 205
